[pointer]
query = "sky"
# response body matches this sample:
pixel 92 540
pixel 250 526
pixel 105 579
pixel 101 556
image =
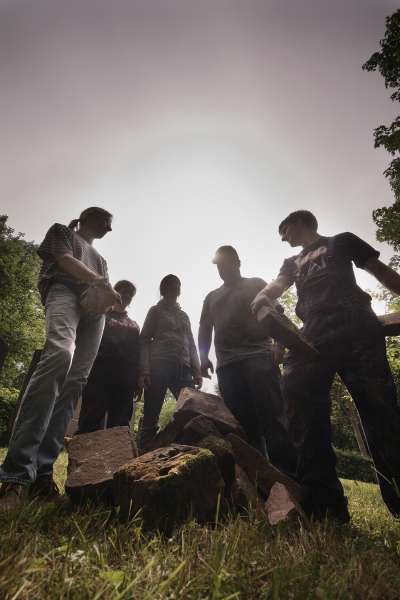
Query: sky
pixel 196 123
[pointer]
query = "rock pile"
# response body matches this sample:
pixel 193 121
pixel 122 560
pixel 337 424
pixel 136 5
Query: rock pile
pixel 198 465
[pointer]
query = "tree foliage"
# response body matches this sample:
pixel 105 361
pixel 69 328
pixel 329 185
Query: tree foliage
pixel 387 62
pixel 21 313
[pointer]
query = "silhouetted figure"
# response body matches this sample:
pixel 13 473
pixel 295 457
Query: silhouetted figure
pixel 168 355
pixel 248 376
pixel 339 321
pixel 70 267
pixel 107 399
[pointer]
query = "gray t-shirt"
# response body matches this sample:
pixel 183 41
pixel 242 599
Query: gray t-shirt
pixel 237 334
pixel 61 240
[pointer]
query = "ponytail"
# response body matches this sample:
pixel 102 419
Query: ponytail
pixel 74 224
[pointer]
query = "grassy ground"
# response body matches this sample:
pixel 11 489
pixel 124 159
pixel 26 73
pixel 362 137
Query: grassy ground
pixel 50 552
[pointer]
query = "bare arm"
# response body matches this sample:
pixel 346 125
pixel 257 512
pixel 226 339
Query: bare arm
pixel 77 269
pixel 384 274
pixel 205 337
pixel 271 292
pixel 146 335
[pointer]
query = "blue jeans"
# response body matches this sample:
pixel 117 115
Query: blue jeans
pixel 72 342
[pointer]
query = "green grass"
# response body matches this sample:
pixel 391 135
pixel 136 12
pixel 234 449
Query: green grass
pixel 50 552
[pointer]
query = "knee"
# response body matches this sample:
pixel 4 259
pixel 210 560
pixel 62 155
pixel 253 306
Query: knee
pixel 57 359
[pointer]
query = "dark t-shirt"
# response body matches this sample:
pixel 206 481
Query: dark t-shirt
pixel 237 333
pixel 61 240
pixel 324 276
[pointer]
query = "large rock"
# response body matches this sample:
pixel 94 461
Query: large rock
pixel 168 485
pixel 93 459
pixel 197 429
pixel 243 492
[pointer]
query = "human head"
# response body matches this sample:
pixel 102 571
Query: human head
pixel 127 290
pixel 228 263
pixel 170 287
pixel 297 227
pixel 95 219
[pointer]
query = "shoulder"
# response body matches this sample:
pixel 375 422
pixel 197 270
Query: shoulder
pixel 255 282
pixel 59 230
pixel 213 294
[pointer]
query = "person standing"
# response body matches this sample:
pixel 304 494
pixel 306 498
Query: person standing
pixel 339 321
pixel 71 267
pixel 168 355
pixel 107 399
pixel 248 376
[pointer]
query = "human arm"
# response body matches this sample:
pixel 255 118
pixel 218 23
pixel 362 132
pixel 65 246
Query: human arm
pixel 146 336
pixel 271 292
pixel 194 361
pixel 205 337
pixel 387 276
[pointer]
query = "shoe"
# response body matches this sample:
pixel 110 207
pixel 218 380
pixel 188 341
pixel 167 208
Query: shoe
pixel 45 488
pixel 12 495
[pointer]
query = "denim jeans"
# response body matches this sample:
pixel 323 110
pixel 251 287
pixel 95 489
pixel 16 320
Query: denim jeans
pixel 351 343
pixel 251 390
pixel 72 342
pixel 164 375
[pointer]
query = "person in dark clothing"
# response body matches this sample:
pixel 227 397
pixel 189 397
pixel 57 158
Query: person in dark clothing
pixel 339 321
pixel 107 400
pixel 248 376
pixel 168 356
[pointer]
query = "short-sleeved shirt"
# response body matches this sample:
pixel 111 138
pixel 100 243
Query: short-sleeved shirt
pixel 61 240
pixel 237 333
pixel 324 276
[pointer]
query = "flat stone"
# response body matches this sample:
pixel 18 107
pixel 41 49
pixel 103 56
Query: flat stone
pixel 168 485
pixel 197 429
pixel 222 451
pixel 279 327
pixel 93 458
pixel 391 323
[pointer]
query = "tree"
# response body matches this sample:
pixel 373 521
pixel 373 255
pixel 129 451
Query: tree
pixel 21 313
pixel 387 62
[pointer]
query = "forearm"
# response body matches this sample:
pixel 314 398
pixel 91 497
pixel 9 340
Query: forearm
pixel 74 267
pixel 205 337
pixel 387 276
pixel 273 290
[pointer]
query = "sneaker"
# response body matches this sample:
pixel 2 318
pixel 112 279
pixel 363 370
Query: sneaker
pixel 12 495
pixel 45 488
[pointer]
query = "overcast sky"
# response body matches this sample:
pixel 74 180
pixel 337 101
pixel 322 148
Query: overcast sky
pixel 196 123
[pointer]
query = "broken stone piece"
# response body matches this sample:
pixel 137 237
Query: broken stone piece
pixel 93 459
pixel 279 504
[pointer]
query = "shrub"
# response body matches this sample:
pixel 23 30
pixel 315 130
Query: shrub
pixel 8 402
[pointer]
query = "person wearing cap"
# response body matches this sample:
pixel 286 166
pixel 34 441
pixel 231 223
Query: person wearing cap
pixel 107 399
pixel 71 266
pixel 168 356
pixel 248 376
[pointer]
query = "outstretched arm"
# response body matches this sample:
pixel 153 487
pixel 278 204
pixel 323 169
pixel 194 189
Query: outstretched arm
pixel 205 337
pixel 270 293
pixel 384 274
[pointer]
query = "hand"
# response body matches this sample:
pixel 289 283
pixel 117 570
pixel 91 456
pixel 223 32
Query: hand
pixel 277 352
pixel 205 365
pixel 144 381
pixel 198 381
pixel 260 300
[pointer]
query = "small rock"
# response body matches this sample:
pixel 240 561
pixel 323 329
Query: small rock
pixel 93 459
pixel 279 504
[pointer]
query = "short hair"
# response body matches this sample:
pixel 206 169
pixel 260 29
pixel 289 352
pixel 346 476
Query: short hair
pixel 300 216
pixel 166 282
pixel 127 284
pixel 228 251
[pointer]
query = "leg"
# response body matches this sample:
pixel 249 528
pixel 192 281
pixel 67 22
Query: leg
pixel 153 401
pixel 263 380
pixel 369 380
pixel 236 395
pixel 95 399
pixel 120 406
pixel 88 339
pixel 306 388
pixel 183 378
pixel 62 318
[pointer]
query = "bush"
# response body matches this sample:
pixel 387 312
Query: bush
pixel 352 465
pixel 8 402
